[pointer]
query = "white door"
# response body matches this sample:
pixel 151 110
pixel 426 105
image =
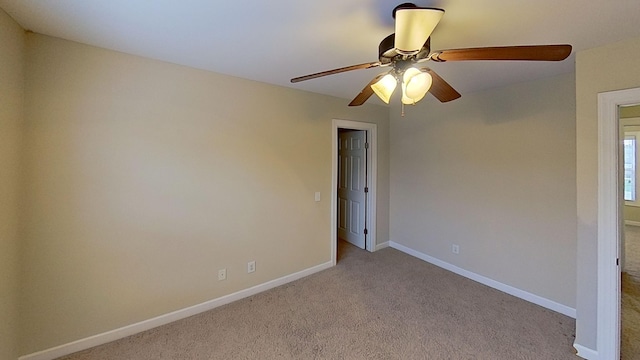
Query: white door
pixel 352 186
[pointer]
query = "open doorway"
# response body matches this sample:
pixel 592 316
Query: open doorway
pixel 610 218
pixel 629 121
pixel 364 214
pixel 352 187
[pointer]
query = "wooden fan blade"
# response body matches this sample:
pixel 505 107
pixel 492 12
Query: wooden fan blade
pixel 531 53
pixel 336 71
pixel 366 93
pixel 440 88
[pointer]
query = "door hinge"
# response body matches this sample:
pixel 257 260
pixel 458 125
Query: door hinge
pixel 366 189
pixel 618 262
pixel 366 145
pixel 366 231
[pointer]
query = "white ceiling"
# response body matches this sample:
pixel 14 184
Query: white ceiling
pixel 273 41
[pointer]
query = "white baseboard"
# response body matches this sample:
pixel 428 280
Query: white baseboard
pixel 632 223
pixel 132 329
pixel 585 352
pixel 382 246
pixel 538 300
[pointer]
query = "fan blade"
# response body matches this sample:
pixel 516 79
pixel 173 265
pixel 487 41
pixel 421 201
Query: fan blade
pixel 532 53
pixel 413 27
pixel 336 71
pixel 366 93
pixel 440 88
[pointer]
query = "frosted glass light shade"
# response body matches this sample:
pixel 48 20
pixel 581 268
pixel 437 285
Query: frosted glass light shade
pixel 413 27
pixel 384 87
pixel 415 85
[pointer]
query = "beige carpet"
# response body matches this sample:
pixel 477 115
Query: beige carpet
pixel 630 334
pixel 385 305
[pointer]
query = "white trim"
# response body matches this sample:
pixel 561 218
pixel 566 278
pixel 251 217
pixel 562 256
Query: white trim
pixel 632 223
pixel 382 246
pixel 132 329
pixel 539 300
pixel 585 352
pixel 372 174
pixel 609 220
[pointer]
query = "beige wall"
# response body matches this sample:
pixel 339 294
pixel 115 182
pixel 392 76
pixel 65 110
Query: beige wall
pixel 629 112
pixel 493 172
pixel 631 213
pixel 144 178
pixel 11 115
pixel 597 70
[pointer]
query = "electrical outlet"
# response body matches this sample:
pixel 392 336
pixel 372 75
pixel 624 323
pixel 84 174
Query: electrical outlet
pixel 222 274
pixel 455 249
pixel 251 266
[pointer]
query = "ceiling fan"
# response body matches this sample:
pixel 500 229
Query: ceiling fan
pixel 410 45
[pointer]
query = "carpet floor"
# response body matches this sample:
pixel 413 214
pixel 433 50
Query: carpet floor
pixel 382 305
pixel 630 332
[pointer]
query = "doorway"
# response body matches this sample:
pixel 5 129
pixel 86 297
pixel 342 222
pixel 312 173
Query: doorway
pixel 369 131
pixel 610 222
pixel 629 120
pixel 352 186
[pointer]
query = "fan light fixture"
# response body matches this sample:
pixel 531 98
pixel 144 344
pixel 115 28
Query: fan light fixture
pixel 385 87
pixel 410 45
pixel 415 85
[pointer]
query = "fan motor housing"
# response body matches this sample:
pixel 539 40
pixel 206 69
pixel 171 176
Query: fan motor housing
pixel 387 52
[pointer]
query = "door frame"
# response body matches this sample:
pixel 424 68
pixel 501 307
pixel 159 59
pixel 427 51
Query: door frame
pixel 609 219
pixel 372 171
